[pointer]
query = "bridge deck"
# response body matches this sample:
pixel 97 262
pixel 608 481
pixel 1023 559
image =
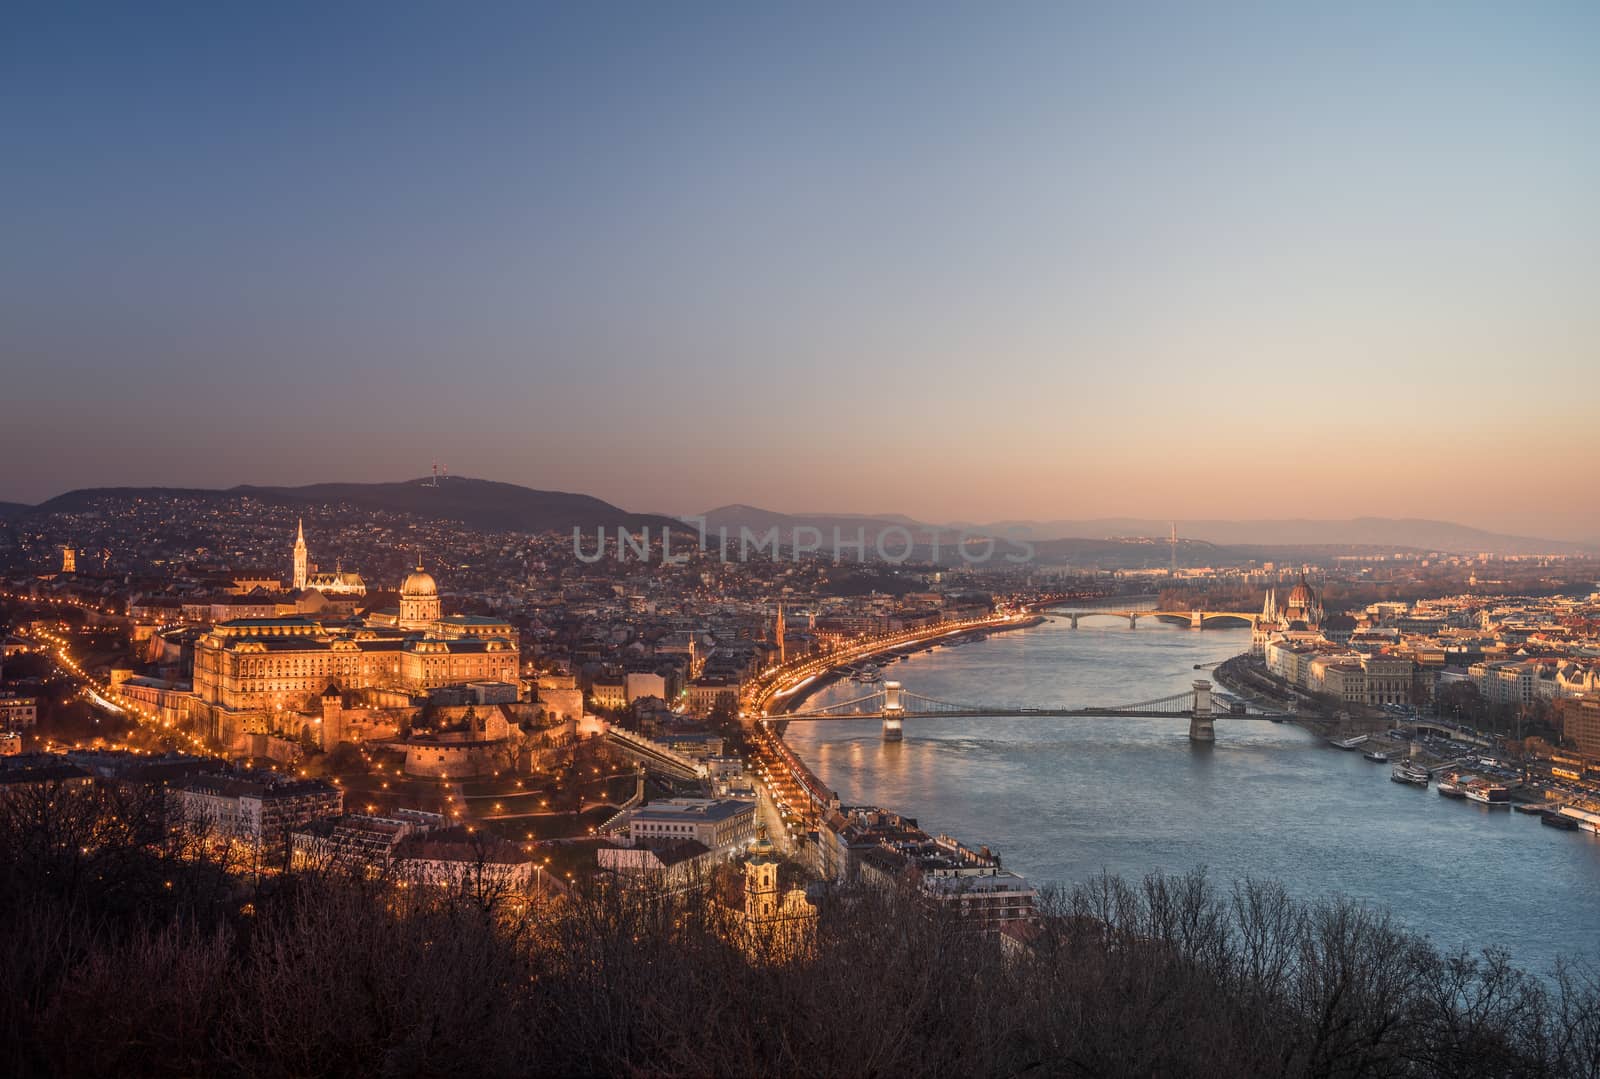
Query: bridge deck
pixel 1022 713
pixel 1183 616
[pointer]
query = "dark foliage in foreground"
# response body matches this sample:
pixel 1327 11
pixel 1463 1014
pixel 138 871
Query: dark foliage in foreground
pixel 123 954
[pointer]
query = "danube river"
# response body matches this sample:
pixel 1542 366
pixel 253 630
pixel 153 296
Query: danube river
pixel 1064 799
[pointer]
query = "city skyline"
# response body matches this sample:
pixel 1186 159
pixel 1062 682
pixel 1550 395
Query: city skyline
pixel 1066 262
pixel 907 538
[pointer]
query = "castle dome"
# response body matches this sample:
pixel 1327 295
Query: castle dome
pixel 419 584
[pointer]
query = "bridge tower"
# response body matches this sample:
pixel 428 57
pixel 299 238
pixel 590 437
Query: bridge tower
pixel 1202 728
pixel 1197 619
pixel 893 712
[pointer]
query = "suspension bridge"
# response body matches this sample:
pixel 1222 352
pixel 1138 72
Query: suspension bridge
pixel 892 703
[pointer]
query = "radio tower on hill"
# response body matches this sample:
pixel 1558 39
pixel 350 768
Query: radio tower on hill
pixel 1174 548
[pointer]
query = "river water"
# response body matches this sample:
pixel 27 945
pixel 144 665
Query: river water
pixel 1064 799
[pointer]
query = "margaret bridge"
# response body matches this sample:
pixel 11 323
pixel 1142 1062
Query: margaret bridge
pixel 1195 619
pixel 892 703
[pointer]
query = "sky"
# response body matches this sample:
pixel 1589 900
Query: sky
pixel 956 261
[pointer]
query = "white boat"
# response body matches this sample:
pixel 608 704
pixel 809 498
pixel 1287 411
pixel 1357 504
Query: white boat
pixel 1377 756
pixel 1406 772
pixel 1489 794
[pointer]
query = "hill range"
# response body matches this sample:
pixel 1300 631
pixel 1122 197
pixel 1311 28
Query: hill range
pixel 495 506
pixel 1091 538
pixel 483 504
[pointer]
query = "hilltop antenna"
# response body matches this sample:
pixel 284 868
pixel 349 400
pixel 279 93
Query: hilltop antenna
pixel 435 481
pixel 1174 548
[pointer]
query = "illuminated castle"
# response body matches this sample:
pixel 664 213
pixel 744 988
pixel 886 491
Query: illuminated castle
pixel 249 671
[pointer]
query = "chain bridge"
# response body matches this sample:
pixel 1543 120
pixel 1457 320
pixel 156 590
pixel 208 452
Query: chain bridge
pixel 892 703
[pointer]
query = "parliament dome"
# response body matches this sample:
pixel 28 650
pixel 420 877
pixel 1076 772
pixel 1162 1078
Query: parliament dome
pixel 1302 596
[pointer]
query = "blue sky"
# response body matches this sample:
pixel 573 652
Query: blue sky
pixel 956 261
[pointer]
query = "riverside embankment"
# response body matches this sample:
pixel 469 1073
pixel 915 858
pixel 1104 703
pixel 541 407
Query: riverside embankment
pixel 775 688
pixel 790 701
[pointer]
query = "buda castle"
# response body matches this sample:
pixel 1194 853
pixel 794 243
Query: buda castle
pixel 249 671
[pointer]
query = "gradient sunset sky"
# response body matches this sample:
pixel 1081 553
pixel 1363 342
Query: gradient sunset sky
pixel 969 261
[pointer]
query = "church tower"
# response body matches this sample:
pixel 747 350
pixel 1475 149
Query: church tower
pixel 761 901
pixel 783 654
pixel 300 561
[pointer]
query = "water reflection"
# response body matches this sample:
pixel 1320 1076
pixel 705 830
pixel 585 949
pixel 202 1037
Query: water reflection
pixel 1063 799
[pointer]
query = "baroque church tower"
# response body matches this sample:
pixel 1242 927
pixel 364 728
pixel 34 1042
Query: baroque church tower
pixel 761 899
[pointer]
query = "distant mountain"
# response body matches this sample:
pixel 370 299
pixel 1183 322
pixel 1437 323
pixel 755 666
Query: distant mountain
pixel 1373 532
pixel 759 521
pixel 1106 539
pixel 1368 532
pixel 481 504
pixel 14 509
pixel 884 535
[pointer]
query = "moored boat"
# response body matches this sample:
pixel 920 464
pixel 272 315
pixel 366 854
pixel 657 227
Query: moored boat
pixel 1376 756
pixel 1406 772
pixel 1554 818
pixel 1494 795
pixel 1449 785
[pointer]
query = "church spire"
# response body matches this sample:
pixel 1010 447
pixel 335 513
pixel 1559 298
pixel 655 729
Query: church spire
pixel 301 562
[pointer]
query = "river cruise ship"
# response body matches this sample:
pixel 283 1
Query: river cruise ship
pixel 1484 792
